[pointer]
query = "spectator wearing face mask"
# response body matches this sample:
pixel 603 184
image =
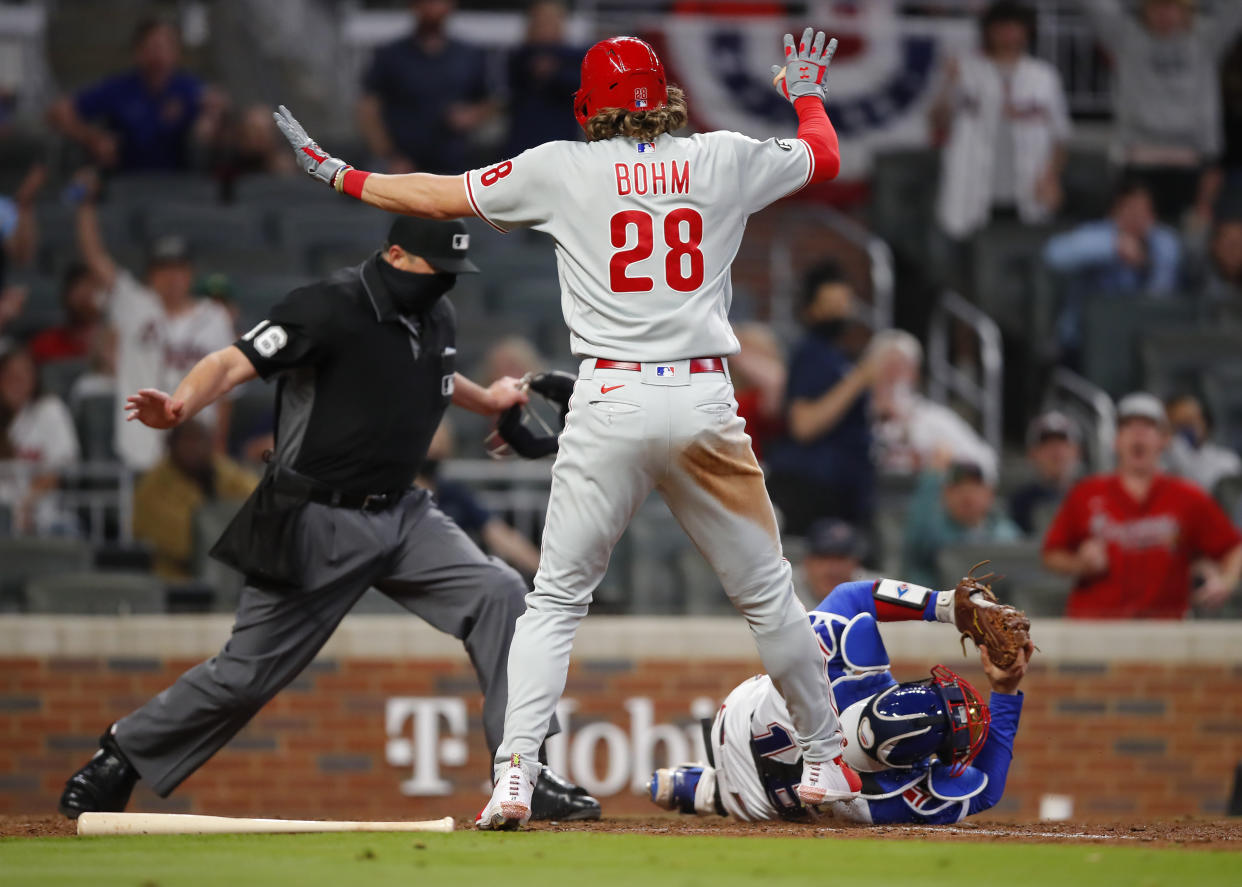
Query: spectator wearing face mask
pixel 1192 454
pixel 822 467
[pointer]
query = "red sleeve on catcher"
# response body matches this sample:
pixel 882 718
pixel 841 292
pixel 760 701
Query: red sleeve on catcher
pixel 816 130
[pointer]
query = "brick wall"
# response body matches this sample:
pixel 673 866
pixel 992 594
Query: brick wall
pixel 1124 740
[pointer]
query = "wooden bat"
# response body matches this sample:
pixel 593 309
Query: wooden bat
pixel 187 824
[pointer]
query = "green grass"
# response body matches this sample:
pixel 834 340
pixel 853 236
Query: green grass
pixel 590 860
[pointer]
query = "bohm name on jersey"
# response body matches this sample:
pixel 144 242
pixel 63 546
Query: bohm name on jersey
pixel 653 177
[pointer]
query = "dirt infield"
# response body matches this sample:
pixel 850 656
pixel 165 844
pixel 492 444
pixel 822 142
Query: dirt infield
pixel 1217 834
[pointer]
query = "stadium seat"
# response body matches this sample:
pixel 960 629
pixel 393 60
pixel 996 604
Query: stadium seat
pixel 25 557
pixel 272 192
pixel 95 419
pixel 1120 324
pixel 95 593
pixel 255 294
pixel 58 376
pixel 1006 261
pixel 204 224
pixel 1088 181
pixel 1228 494
pixel 209 522
pixel 1176 359
pixel 310 232
pixel 18 151
pixel 58 235
pixel 903 197
pixel 1021 578
pixel 151 189
pixel 1222 390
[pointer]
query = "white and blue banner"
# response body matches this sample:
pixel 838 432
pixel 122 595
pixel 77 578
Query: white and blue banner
pixel 881 83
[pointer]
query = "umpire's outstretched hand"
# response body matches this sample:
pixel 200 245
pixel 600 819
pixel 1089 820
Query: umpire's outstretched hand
pixel 154 408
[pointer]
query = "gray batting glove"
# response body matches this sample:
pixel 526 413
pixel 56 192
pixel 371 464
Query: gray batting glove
pixel 805 66
pixel 313 159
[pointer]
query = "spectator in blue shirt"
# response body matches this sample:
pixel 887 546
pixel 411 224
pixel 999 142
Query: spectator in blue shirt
pixel 1127 254
pixel 146 118
pixel 422 95
pixel 543 75
pixel 823 466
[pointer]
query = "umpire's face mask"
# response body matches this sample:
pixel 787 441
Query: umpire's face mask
pixel 415 293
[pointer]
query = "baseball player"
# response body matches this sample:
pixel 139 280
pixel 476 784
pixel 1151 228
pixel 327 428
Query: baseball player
pixel 929 751
pixel 645 227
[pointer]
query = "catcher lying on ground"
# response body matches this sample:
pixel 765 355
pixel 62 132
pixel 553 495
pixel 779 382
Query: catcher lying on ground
pixel 929 751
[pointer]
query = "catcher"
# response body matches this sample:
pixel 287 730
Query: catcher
pixel 928 752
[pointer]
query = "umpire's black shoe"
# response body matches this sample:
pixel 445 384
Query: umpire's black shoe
pixel 557 798
pixel 103 785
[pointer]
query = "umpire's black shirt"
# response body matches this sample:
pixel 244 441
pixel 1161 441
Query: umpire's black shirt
pixel 362 382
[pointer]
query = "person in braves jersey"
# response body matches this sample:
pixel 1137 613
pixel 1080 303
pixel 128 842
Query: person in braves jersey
pixel 929 751
pixel 1130 539
pixel 645 227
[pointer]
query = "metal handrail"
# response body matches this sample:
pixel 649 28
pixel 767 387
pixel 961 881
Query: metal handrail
pixel 781 264
pixel 97 502
pixel 1096 399
pixel 944 378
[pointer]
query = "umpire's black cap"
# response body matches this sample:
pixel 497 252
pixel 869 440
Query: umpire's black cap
pixel 442 244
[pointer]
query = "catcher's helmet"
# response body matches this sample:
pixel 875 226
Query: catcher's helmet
pixel 620 72
pixel 907 723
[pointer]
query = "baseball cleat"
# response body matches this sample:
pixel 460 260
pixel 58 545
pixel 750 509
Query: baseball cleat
pixel 102 785
pixel 555 797
pixel 510 806
pixel 824 781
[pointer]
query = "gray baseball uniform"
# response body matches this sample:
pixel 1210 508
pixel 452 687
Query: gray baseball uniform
pixel 645 233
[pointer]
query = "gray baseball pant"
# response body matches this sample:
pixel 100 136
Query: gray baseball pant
pixel 411 552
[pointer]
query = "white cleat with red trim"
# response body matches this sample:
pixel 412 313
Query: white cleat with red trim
pixel 509 807
pixel 824 781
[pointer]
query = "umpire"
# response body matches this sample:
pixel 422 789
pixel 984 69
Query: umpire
pixel 365 368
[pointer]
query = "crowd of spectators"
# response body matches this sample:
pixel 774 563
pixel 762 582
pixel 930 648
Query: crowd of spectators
pixel 837 414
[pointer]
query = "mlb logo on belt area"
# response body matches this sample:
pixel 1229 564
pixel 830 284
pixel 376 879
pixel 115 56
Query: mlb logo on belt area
pixel 665 371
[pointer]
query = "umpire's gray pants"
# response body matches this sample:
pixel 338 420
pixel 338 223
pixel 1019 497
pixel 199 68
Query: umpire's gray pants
pixel 411 552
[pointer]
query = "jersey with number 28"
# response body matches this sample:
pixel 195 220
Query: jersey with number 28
pixel 645 232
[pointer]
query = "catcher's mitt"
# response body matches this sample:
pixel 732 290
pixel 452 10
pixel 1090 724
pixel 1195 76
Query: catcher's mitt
pixel 534 439
pixel 1003 629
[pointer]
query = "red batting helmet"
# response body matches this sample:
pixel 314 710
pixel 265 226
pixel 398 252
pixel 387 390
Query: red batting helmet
pixel 620 72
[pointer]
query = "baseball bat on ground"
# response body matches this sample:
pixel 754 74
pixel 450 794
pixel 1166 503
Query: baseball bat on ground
pixel 187 824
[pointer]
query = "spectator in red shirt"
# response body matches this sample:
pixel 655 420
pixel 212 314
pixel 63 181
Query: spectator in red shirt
pixel 80 297
pixel 1130 538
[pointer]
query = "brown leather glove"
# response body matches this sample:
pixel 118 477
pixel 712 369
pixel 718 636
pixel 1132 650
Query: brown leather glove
pixel 1003 629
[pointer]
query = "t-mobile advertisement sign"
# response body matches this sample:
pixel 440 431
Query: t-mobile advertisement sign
pixel 427 736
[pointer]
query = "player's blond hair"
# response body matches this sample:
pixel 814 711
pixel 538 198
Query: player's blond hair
pixel 645 125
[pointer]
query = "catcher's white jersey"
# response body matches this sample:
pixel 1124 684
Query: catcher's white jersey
pixel 645 232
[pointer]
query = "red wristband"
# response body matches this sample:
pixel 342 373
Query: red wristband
pixel 352 182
